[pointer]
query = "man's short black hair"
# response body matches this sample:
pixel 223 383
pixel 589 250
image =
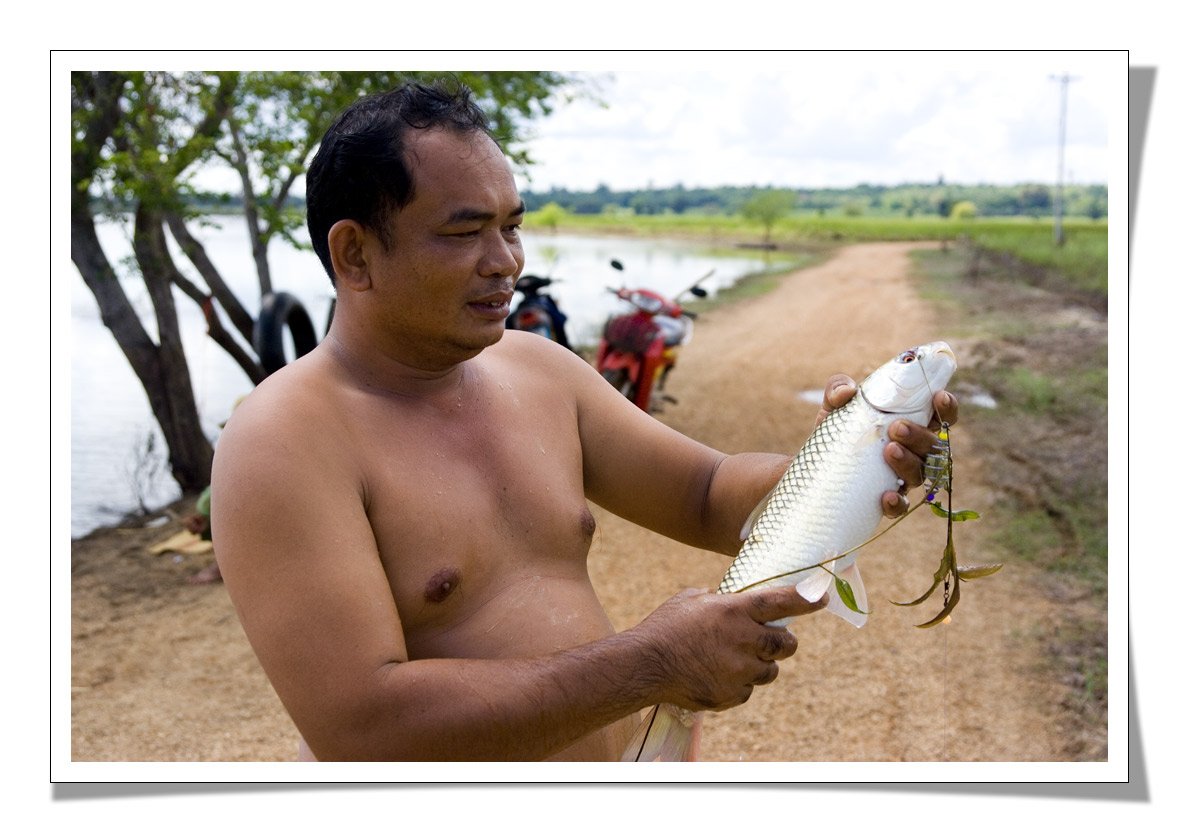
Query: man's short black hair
pixel 360 172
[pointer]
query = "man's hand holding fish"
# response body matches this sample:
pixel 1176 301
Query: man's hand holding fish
pixel 909 445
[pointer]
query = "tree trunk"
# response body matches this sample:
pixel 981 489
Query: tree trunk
pixel 167 385
pixel 250 206
pixel 190 454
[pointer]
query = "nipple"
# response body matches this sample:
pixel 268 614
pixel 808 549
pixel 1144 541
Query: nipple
pixel 442 584
pixel 588 524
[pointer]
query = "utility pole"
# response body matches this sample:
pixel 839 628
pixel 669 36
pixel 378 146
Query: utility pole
pixel 1064 81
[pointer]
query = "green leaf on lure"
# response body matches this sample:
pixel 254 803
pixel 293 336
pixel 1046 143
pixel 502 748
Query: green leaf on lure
pixel 960 515
pixel 846 594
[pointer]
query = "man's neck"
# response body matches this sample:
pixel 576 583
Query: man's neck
pixel 402 376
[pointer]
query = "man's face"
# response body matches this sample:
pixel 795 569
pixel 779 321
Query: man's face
pixel 445 284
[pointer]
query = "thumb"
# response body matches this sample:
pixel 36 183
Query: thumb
pixel 773 603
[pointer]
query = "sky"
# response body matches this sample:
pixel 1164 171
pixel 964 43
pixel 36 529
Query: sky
pixel 813 119
pixel 835 119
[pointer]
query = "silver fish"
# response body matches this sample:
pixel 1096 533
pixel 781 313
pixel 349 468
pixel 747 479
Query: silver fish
pixel 806 532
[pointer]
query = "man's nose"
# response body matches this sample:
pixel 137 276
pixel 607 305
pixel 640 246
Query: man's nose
pixel 501 257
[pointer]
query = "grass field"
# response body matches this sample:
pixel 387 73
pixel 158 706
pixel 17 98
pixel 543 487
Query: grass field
pixel 1082 261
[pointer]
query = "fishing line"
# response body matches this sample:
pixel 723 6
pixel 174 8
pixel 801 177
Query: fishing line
pixel 945 694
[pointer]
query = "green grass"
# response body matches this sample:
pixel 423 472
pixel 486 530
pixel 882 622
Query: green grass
pixel 1081 261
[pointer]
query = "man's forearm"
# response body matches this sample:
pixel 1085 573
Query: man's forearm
pixel 512 709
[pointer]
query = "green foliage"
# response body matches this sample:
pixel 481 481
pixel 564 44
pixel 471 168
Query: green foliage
pixel 965 210
pixel 767 207
pixel 548 216
pixel 1029 201
pixel 1083 258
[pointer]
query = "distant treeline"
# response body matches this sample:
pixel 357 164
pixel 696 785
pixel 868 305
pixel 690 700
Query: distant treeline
pixel 909 200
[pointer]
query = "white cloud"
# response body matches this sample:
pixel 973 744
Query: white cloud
pixel 836 119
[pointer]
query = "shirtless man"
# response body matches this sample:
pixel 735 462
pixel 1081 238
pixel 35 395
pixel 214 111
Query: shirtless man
pixel 402 517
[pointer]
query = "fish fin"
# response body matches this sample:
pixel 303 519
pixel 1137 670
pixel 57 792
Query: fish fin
pixel 837 606
pixel 755 514
pixel 669 733
pixel 815 585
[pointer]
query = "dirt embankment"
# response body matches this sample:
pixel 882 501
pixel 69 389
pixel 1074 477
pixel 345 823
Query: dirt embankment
pixel 162 671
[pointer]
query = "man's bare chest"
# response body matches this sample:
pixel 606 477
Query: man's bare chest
pixel 468 508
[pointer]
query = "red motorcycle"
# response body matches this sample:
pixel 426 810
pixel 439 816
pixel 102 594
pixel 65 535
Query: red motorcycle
pixel 639 349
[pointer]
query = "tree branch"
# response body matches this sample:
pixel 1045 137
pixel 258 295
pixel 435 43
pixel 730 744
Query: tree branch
pixel 217 331
pixel 195 252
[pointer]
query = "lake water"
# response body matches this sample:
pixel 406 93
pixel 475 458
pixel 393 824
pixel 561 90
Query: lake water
pixel 111 466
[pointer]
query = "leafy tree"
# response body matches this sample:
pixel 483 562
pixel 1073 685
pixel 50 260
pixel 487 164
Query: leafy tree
pixel 767 207
pixel 549 216
pixel 139 139
pixel 964 210
pixel 1035 200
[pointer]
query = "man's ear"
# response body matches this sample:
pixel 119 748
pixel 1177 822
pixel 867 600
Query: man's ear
pixel 346 244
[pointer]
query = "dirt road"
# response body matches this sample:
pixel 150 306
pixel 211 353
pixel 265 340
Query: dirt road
pixel 162 671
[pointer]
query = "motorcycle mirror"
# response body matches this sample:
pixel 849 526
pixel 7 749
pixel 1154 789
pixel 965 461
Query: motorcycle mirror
pixel 699 291
pixel 616 264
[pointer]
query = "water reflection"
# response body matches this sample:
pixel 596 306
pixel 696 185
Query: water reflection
pixel 581 268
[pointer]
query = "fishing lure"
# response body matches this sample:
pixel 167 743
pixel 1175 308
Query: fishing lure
pixel 939 472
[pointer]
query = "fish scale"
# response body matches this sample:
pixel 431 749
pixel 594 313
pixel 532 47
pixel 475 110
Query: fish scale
pixel 827 502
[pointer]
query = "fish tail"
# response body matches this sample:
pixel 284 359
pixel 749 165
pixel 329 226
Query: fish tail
pixel 669 733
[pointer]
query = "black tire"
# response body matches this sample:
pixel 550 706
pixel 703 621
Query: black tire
pixel 281 311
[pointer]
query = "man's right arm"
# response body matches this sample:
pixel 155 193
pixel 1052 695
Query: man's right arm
pixel 302 567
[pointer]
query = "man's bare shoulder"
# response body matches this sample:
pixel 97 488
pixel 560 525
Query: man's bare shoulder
pixel 521 344
pixel 527 355
pixel 292 400
pixel 289 424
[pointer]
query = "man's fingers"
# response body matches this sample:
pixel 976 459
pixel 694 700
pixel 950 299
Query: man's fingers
pixel 776 644
pixel 773 603
pixel 839 391
pixel 945 409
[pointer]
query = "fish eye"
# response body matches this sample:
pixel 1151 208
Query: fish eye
pixel 907 356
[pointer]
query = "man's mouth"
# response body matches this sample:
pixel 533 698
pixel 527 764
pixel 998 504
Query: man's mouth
pixel 494 306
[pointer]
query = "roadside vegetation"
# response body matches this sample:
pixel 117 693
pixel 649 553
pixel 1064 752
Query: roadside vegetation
pixel 1037 344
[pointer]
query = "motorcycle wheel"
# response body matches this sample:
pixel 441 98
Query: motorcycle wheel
pixel 620 379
